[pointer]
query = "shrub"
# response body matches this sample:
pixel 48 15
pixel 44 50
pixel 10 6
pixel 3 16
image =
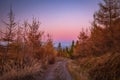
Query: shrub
pixel 109 70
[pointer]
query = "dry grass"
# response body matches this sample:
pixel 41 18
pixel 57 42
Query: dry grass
pixel 76 71
pixel 26 73
pixel 91 61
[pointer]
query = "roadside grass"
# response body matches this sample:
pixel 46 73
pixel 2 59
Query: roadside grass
pixel 76 71
pixel 28 72
pixel 108 70
pixel 80 69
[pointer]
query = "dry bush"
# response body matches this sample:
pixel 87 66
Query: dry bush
pixel 52 60
pixel 108 70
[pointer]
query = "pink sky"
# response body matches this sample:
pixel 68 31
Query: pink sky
pixel 64 27
pixel 62 19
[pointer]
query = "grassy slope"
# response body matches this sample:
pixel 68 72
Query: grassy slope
pixel 81 68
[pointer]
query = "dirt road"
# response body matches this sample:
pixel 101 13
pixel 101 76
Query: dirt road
pixel 57 71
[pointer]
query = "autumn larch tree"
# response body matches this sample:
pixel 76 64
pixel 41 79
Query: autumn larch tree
pixel 9 33
pixel 34 37
pixel 108 13
pixel 103 31
pixel 49 48
pixel 82 46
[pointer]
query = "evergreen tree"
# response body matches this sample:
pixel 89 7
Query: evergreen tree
pixel 59 49
pixel 72 49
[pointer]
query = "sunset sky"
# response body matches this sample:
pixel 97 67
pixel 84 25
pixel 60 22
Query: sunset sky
pixel 63 19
